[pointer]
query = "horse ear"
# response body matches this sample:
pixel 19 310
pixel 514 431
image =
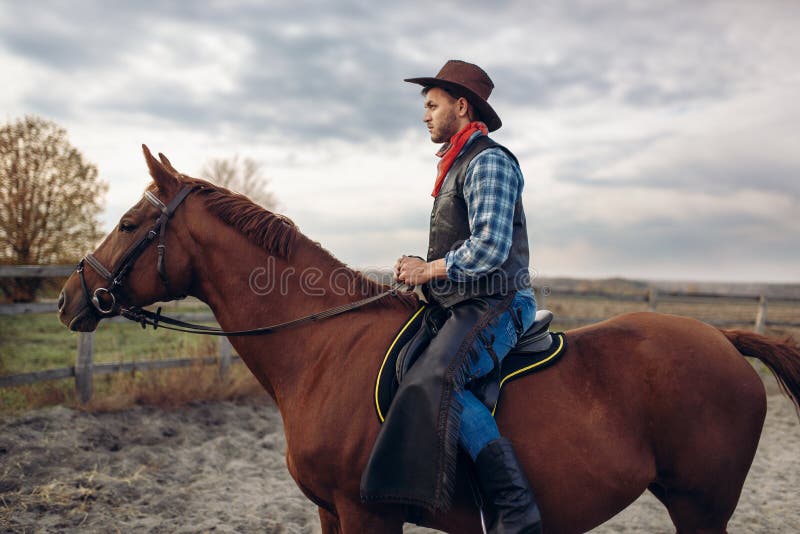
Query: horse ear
pixel 167 164
pixel 162 176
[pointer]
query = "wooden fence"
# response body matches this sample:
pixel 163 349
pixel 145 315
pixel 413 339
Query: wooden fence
pixel 653 297
pixel 84 369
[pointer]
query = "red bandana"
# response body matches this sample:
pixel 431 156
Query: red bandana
pixel 450 151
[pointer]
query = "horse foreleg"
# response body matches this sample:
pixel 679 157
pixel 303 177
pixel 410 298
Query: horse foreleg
pixel 329 522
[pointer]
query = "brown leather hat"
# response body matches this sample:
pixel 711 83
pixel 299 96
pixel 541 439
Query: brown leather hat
pixel 469 80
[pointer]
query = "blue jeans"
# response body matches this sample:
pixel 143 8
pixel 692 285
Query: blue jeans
pixel 478 427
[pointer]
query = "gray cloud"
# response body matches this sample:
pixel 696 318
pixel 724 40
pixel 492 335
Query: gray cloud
pixel 345 60
pixel 702 245
pixel 82 36
pixel 706 166
pixel 763 174
pixel 298 76
pixel 304 74
pixel 713 177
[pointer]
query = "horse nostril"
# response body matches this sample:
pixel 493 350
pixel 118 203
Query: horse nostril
pixel 62 299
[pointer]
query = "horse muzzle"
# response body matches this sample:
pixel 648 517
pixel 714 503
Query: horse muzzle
pixel 78 318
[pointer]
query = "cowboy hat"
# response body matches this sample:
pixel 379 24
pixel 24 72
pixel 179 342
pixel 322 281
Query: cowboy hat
pixel 470 81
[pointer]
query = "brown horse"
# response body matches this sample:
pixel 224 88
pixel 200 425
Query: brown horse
pixel 641 401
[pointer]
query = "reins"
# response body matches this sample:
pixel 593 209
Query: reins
pixel 155 319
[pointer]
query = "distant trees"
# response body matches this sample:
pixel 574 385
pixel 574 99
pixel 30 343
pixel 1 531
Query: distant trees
pixel 242 176
pixel 50 199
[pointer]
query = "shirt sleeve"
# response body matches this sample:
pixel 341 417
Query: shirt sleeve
pixel 492 185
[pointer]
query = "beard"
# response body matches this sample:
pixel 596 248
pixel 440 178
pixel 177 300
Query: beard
pixel 443 132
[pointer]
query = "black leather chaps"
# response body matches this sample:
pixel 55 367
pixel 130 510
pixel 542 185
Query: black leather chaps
pixel 415 456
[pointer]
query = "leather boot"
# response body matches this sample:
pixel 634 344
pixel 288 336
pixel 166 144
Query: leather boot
pixel 509 506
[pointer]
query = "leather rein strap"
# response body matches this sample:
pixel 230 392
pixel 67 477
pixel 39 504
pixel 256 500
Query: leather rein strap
pixel 148 318
pixel 156 320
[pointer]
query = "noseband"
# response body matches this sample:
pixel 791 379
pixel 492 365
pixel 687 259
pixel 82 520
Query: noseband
pixel 115 278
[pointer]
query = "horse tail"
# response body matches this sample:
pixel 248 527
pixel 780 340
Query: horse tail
pixel 782 358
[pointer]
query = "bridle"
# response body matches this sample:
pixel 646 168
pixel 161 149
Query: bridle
pixel 155 319
pixel 116 278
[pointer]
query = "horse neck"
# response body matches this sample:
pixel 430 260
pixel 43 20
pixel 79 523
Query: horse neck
pixel 248 288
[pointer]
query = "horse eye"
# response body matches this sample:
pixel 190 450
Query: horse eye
pixel 126 226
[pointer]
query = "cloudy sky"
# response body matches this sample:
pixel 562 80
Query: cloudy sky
pixel 659 140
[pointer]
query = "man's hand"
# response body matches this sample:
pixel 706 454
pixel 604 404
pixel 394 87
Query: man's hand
pixel 414 271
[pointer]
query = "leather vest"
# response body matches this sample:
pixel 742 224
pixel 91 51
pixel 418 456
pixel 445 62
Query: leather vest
pixel 450 228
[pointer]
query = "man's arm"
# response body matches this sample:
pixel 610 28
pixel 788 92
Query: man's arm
pixel 491 187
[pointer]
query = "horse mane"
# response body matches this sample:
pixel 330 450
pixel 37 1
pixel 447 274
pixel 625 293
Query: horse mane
pixel 273 232
pixel 277 234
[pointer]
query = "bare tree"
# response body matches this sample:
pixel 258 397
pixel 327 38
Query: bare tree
pixel 50 199
pixel 242 176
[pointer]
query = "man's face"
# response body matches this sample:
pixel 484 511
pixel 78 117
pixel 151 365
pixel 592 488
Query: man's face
pixel 440 115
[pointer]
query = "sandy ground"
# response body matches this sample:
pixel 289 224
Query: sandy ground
pixel 219 467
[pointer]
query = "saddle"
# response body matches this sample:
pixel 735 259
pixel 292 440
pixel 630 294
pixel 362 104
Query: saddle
pixel 536 349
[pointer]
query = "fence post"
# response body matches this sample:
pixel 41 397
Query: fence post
pixel 761 315
pixel 225 349
pixel 652 299
pixel 83 366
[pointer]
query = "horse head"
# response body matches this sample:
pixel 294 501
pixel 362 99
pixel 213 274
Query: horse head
pixel 144 259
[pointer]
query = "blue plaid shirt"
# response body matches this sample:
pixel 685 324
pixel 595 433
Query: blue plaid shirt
pixel 492 185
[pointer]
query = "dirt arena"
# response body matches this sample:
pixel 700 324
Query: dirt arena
pixel 219 467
